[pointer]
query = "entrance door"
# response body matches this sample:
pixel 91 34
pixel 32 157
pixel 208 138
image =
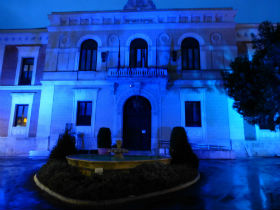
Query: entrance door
pixel 137 124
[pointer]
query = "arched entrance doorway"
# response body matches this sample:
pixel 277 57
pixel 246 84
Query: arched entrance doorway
pixel 137 124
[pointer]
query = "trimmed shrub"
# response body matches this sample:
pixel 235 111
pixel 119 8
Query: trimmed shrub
pixel 180 149
pixel 65 146
pixel 150 177
pixel 104 139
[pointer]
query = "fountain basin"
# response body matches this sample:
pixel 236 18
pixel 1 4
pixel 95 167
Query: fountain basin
pixel 87 163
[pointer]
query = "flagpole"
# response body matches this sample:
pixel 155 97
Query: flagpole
pixel 156 56
pixel 119 58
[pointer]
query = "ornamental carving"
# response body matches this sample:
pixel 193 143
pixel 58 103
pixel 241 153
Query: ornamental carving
pixel 164 39
pixel 216 38
pixel 113 40
pixel 64 41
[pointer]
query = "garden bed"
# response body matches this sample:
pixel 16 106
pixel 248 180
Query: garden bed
pixel 67 180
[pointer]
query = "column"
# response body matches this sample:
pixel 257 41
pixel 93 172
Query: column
pixel 45 111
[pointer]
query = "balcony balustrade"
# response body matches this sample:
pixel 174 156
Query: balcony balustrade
pixel 137 72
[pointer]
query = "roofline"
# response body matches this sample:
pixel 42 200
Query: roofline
pixel 154 10
pixel 247 25
pixel 24 30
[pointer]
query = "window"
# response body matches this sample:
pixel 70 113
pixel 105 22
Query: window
pixel 84 110
pixel 192 114
pixel 190 54
pixel 264 124
pixel 138 53
pixel 88 55
pixel 21 115
pixel 26 71
pixel 242 49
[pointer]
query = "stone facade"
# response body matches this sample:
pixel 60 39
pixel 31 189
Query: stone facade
pixel 58 85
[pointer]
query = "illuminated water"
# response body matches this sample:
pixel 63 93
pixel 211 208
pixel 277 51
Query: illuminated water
pixel 112 158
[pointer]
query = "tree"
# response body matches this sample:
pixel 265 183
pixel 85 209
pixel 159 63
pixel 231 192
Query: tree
pixel 255 85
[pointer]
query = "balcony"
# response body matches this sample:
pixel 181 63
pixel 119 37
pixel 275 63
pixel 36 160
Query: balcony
pixel 127 72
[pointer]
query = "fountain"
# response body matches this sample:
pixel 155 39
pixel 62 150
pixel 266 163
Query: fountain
pixel 119 150
pixel 89 163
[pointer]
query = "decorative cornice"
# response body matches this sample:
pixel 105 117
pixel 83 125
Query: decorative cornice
pixel 23 38
pixel 143 17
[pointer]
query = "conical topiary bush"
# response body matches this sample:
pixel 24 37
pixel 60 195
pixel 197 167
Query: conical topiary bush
pixel 65 146
pixel 180 149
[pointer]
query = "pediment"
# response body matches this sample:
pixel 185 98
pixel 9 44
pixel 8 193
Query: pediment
pixel 139 5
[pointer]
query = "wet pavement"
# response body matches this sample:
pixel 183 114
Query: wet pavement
pixel 224 184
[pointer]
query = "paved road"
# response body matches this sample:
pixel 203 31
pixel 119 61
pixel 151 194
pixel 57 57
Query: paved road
pixel 232 184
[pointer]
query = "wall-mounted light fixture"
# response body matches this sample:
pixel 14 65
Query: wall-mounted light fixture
pixel 116 85
pixel 104 56
pixel 131 85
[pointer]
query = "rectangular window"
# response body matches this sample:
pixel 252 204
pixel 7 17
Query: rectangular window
pixel 93 59
pixel 82 65
pixel 84 110
pixel 192 114
pixel 190 59
pixel 21 115
pixel 196 58
pixel 184 58
pixel 26 71
pixel 264 126
pixel 138 57
pixel 88 61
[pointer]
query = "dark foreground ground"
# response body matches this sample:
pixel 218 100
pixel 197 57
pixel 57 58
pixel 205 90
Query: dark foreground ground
pixel 224 184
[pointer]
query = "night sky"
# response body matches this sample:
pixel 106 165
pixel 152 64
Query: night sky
pixel 33 13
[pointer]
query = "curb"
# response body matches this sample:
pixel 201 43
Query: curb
pixel 105 203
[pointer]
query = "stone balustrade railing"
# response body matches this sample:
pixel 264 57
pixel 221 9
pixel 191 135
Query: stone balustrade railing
pixel 137 72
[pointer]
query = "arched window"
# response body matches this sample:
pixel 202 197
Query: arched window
pixel 138 53
pixel 88 55
pixel 190 54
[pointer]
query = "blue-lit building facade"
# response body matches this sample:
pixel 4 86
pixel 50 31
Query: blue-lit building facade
pixel 139 71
